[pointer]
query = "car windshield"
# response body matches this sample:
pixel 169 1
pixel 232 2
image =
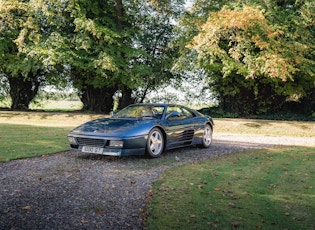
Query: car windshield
pixel 139 111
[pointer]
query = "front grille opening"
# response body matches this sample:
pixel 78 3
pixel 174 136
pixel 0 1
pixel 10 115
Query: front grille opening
pixel 91 142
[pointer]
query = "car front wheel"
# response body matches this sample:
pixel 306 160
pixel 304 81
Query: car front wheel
pixel 207 136
pixel 155 143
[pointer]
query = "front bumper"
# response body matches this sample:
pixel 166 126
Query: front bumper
pixel 100 145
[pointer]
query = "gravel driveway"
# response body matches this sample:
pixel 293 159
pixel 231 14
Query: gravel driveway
pixel 73 190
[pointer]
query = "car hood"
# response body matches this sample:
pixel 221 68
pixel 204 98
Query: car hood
pixel 115 127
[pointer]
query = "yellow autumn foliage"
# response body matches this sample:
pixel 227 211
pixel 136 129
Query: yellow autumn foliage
pixel 248 39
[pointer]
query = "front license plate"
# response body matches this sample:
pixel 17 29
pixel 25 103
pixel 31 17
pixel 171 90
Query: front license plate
pixel 88 149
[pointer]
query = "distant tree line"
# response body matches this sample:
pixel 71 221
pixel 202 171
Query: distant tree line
pixel 255 56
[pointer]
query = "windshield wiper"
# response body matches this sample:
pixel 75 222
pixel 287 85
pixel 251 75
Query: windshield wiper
pixel 124 117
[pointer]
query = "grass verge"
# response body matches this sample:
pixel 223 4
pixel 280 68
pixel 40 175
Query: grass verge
pixel 30 134
pixel 23 141
pixel 269 189
pixel 265 127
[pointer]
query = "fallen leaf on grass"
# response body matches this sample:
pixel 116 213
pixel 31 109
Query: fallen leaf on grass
pixel 235 224
pixel 212 224
pixel 272 186
pixel 299 218
pixel 235 197
pixel 308 187
pixel 232 205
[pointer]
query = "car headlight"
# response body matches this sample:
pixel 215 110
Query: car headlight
pixel 72 140
pixel 116 144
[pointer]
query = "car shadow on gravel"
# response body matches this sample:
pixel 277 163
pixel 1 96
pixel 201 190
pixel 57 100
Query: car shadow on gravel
pixel 177 156
pixel 166 154
pixel 98 157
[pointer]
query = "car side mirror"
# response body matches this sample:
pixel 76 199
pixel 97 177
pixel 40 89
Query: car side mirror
pixel 172 114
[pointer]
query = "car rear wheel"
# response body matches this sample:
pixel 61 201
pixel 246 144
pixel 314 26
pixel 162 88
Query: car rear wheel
pixel 155 143
pixel 207 136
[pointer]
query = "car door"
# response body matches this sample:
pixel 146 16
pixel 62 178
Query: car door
pixel 179 127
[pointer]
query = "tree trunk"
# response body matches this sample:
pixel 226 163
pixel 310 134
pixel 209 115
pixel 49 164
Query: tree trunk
pixel 23 90
pixel 126 98
pixel 99 100
pixel 119 13
pixel 126 91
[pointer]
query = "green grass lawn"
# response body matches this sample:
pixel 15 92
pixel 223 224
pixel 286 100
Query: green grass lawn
pixel 261 189
pixel 30 134
pixel 269 189
pixel 23 141
pixel 51 105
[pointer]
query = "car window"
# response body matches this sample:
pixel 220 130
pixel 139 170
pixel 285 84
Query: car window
pixel 187 113
pixel 158 111
pixel 183 113
pixel 171 109
pixel 139 111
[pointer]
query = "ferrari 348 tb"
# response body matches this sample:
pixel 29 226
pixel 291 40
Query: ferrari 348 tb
pixel 143 129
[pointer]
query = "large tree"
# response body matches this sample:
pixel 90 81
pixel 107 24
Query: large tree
pixel 101 46
pixel 97 48
pixel 152 66
pixel 258 55
pixel 112 46
pixel 25 28
pixel 21 72
pixel 81 39
pixel 134 38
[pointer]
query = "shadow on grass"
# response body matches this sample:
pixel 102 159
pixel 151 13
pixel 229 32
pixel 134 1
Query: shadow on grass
pixel 304 125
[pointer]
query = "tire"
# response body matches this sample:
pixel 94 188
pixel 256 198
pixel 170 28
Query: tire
pixel 207 136
pixel 155 143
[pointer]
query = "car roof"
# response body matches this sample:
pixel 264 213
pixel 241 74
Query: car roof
pixel 167 105
pixel 164 105
pixel 155 104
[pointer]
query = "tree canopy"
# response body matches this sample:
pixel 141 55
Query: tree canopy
pixel 258 57
pixel 254 56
